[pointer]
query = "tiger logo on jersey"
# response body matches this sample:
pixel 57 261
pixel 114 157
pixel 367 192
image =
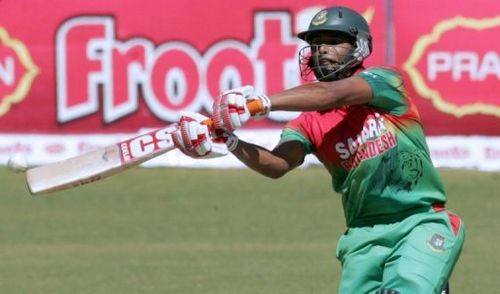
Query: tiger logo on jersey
pixel 411 167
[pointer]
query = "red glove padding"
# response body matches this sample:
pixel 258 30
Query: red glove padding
pixel 230 111
pixel 192 136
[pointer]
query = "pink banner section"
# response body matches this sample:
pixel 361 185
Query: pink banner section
pixel 90 67
pixel 452 63
pixel 113 67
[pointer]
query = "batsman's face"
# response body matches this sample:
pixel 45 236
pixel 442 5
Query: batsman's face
pixel 329 51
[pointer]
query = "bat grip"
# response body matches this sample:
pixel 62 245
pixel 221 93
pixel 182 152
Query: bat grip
pixel 254 106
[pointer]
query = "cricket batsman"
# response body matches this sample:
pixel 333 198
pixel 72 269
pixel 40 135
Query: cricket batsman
pixel 366 131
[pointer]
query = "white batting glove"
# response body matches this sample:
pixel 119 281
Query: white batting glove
pixel 192 137
pixel 230 110
pixel 229 138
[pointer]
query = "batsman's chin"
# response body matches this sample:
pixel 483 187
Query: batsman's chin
pixel 328 65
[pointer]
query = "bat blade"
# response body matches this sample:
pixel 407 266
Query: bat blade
pixel 100 163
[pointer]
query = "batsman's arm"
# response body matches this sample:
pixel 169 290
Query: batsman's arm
pixel 323 95
pixel 274 164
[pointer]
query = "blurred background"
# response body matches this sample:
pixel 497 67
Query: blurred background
pixel 78 74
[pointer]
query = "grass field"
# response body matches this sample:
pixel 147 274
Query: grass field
pixel 209 231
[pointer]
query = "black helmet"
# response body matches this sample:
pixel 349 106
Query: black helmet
pixel 347 22
pixel 336 19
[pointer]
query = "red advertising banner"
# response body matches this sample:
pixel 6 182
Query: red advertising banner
pixel 114 66
pixel 96 70
pixel 450 53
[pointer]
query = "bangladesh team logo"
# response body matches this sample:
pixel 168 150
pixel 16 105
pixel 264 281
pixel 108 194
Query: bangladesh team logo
pixel 320 18
pixel 436 243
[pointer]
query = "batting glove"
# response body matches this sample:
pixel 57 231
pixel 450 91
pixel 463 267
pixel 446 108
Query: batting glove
pixel 228 138
pixel 192 137
pixel 230 110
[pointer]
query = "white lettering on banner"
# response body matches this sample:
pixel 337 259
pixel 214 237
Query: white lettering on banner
pixel 82 66
pixel 7 73
pixel 172 76
pixel 476 67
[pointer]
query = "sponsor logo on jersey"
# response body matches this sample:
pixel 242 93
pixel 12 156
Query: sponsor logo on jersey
pixel 373 140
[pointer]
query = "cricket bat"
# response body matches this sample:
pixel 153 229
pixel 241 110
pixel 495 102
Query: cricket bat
pixel 100 163
pixel 107 161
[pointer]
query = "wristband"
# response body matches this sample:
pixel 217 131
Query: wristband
pixel 266 107
pixel 231 141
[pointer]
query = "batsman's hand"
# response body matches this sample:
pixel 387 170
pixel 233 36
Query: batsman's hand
pixel 192 137
pixel 230 110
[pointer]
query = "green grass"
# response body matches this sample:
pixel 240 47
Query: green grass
pixel 208 231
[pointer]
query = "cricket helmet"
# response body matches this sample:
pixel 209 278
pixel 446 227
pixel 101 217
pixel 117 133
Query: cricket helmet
pixel 337 20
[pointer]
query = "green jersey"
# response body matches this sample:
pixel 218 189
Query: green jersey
pixel 376 153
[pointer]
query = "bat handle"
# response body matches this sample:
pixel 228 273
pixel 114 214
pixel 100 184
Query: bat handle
pixel 254 106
